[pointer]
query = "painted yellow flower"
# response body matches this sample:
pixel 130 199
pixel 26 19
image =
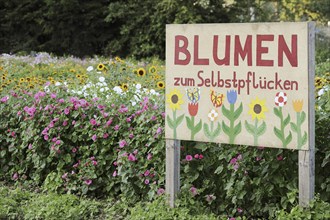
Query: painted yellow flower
pixel 258 109
pixel 161 85
pixel 297 105
pixel 141 72
pixel 174 98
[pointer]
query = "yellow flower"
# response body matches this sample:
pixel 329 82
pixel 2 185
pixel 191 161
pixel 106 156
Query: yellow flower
pixel 174 98
pixel 257 109
pixel 21 80
pixel 141 71
pixel 124 87
pixel 152 69
pixel 161 84
pixel 297 105
pixel 78 76
pixel 100 66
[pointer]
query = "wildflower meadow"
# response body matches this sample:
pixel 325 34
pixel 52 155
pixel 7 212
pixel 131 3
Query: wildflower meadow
pixel 89 133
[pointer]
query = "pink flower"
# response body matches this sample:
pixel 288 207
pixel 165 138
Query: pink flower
pixel 135 152
pixel 239 157
pixel 236 166
pixel 94 137
pixel 193 191
pixel 30 147
pixel 105 135
pixel 65 123
pixel 128 120
pixel 64 176
pixel 131 157
pixel 94 162
pixel 239 210
pixel 146 173
pixel 116 128
pixel 189 157
pixel 109 122
pixel 88 182
pixel 15 176
pixel 74 150
pixel 146 182
pixel 210 198
pixel 114 173
pixel 4 99
pixel 73 122
pixel 196 156
pixel 66 111
pixel 61 100
pixel 46 137
pixel 131 135
pixel 153 118
pixel 122 143
pixel 160 191
pixel 149 156
pixel 53 95
pixel 93 121
pixel 233 161
pixel 279 157
pixel 201 156
pixel 159 130
pixel 58 142
pixel 258 158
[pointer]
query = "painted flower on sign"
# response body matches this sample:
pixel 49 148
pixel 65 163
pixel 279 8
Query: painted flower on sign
pixel 232 96
pixel 297 105
pixel 213 114
pixel 174 98
pixel 281 99
pixel 258 109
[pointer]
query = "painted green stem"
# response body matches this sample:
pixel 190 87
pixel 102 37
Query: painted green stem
pixel 232 134
pixel 255 135
pixel 174 129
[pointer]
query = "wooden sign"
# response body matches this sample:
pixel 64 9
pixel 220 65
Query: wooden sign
pixel 246 84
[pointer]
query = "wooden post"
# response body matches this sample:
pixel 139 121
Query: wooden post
pixel 172 169
pixel 307 158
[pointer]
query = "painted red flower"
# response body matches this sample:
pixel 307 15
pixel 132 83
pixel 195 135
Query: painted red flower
pixel 281 99
pixel 193 108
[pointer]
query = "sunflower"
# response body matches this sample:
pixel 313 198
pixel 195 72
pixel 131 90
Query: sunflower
pixel 161 85
pixel 3 77
pixel 257 109
pixel 28 79
pixel 141 72
pixel 78 76
pixel 152 69
pixel 72 70
pixel 174 98
pixel 22 80
pixel 100 67
pixel 124 87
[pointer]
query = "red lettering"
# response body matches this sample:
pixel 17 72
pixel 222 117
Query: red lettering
pixel 261 50
pixel 226 59
pixel 197 60
pixel 239 51
pixel 183 49
pixel 283 48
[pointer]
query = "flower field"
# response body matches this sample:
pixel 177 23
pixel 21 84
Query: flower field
pixel 95 127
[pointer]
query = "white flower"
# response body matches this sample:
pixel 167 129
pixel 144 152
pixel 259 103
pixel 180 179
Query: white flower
pixel 105 84
pixel 79 92
pixel 138 86
pixel 99 84
pixel 118 90
pixel 106 88
pixel 152 91
pixel 47 89
pixel 102 90
pixel 213 114
pixel 98 72
pixel 58 84
pixel 101 79
pixel 320 92
pixel 90 68
pixel 133 103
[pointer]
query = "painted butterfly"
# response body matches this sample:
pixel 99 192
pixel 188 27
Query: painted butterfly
pixel 193 94
pixel 216 99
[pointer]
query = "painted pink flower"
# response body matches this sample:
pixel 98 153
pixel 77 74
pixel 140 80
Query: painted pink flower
pixel 122 143
pixel 131 157
pixel 160 191
pixel 189 157
pixel 281 99
pixel 88 182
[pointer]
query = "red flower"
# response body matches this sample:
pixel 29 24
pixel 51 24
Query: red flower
pixel 193 108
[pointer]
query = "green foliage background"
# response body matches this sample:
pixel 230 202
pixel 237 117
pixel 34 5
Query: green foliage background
pixel 132 27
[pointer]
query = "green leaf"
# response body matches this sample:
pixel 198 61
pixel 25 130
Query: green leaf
pixel 293 127
pixel 217 131
pixel 278 133
pixel 238 111
pixel 286 120
pixel 198 127
pixel 188 122
pixel 225 128
pixel 218 170
pixel 277 112
pixel 303 117
pixel 179 120
pixel 249 127
pixel 304 139
pixel 226 112
pixel 261 129
pixel 207 131
pixel 170 122
pixel 288 139
pixel 237 129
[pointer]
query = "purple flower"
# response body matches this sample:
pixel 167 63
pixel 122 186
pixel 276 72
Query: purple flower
pixel 116 128
pixel 46 137
pixel 131 135
pixel 30 147
pixel 15 176
pixel 58 142
pixel 94 137
pixel 65 123
pixel 4 99
pixel 193 191
pixel 160 191
pixel 122 143
pixel 146 182
pixel 61 100
pixel 93 121
pixel 53 95
pixel 159 130
pixel 88 182
pixel 66 111
pixel 146 173
pixel 153 118
pixel 135 152
pixel 233 161
pixel 131 157
pixel 114 173
pixel 105 135
pixel 189 157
